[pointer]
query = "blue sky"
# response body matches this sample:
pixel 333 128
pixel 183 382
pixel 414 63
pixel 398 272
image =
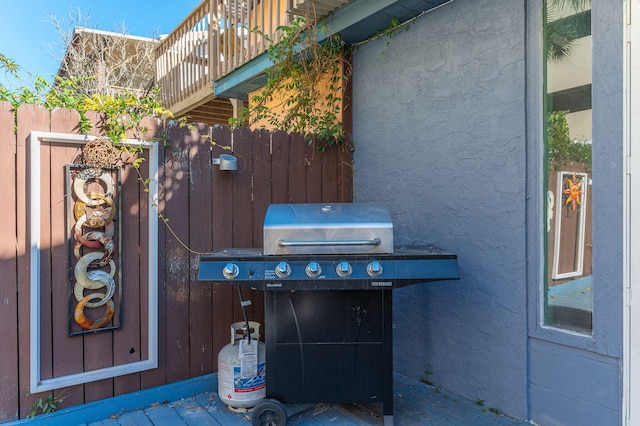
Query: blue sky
pixel 29 38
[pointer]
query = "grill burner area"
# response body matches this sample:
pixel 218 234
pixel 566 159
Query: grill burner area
pixel 328 272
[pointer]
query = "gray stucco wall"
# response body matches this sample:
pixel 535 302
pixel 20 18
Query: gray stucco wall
pixel 439 129
pixel 447 139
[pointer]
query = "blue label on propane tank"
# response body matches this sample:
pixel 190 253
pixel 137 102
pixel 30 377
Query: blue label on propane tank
pixel 250 384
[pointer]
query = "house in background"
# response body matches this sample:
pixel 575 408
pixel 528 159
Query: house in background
pixel 451 125
pixel 109 62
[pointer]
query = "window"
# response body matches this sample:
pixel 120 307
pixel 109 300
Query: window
pixel 567 166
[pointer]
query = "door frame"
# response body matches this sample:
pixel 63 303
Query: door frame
pixel 631 361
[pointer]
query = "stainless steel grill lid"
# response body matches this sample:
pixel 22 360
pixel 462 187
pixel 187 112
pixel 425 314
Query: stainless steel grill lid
pixel 327 229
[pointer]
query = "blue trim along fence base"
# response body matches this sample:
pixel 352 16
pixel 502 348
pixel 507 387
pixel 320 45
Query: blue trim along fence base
pixel 103 409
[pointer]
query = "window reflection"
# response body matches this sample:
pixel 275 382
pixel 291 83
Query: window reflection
pixel 568 283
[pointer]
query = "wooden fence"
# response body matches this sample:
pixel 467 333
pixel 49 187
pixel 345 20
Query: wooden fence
pixel 205 209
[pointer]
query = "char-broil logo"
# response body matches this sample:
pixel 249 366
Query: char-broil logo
pixel 274 285
pixel 382 284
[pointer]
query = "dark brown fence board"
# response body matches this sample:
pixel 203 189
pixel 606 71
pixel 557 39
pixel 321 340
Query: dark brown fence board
pixel 313 173
pixel 296 169
pixel 279 167
pixel 201 240
pixel 345 173
pixel 261 181
pixel 8 297
pixel 127 341
pixel 222 191
pixel 222 237
pixel 242 208
pixel 208 209
pixel 330 181
pixel 176 175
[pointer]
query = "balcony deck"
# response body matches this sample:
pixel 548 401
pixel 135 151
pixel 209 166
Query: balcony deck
pixel 416 403
pixel 212 41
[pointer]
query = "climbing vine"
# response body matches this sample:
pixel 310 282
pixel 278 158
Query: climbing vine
pixel 121 116
pixel 305 87
pixel 304 91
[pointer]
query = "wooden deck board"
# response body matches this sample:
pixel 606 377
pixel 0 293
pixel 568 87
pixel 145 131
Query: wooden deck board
pixel 135 418
pixel 216 408
pixel 107 422
pixel 193 413
pixel 163 415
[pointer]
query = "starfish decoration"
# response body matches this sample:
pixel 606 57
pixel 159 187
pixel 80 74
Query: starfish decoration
pixel 573 191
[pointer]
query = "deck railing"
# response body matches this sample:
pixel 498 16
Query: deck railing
pixel 216 38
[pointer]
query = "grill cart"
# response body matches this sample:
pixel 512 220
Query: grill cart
pixel 328 272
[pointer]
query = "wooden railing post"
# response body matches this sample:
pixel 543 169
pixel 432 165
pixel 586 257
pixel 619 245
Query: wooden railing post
pixel 214 40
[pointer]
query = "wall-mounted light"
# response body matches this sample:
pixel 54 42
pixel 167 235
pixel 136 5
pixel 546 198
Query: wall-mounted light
pixel 226 162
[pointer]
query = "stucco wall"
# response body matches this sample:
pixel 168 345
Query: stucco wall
pixel 439 130
pixel 447 131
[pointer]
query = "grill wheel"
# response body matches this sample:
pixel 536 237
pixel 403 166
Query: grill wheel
pixel 269 412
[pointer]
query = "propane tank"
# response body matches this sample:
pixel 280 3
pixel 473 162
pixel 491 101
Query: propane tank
pixel 241 369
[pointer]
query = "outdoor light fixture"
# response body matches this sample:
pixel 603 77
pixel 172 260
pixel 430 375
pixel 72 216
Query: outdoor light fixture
pixel 226 162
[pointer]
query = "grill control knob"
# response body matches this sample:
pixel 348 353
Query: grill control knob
pixel 283 270
pixel 313 269
pixel 230 271
pixel 344 269
pixel 374 269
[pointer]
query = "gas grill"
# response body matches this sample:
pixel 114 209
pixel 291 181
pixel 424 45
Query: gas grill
pixel 328 271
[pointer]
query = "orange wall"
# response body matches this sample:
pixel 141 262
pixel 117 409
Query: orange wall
pixel 278 103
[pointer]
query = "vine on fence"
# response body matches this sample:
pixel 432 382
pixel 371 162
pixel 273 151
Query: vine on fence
pixel 121 114
pixel 294 98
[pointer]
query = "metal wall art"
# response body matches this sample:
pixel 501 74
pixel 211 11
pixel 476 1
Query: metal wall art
pixel 92 218
pixel 41 377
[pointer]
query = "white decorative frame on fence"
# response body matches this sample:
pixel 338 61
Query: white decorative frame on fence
pixel 37 384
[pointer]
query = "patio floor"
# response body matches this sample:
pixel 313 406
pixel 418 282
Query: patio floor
pixel 194 402
pixel 416 403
